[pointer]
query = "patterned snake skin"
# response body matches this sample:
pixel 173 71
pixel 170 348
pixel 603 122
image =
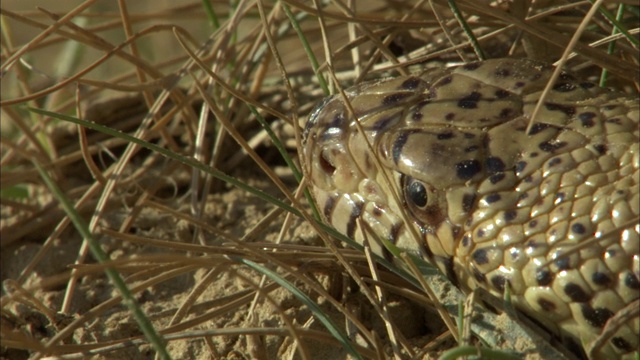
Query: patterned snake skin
pixel 552 213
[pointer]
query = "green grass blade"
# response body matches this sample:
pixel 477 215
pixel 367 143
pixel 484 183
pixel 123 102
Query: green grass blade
pixel 307 48
pixel 127 297
pixel 317 311
pixel 467 30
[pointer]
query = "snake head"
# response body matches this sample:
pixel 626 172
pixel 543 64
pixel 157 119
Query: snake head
pixel 450 164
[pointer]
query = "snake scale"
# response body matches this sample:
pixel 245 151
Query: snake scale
pixel 547 208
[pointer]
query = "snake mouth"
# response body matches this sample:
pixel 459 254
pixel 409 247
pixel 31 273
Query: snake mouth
pixel 332 162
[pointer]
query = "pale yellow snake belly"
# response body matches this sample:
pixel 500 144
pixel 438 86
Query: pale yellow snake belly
pixel 547 208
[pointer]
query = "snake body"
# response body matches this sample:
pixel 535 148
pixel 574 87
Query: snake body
pixel 547 207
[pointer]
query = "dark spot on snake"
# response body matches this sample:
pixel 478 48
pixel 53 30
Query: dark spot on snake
pixel 555 161
pixel 501 94
pixel 510 215
pixel 417 116
pixel 564 87
pixel 394 99
pixel 528 179
pixel 503 73
pixel 551 147
pixel 427 250
pixel 622 344
pixel 600 278
pixel 328 207
pixel 468 200
pixel 601 148
pixel 480 277
pixel 519 84
pixel 544 277
pixel 566 76
pixel 445 136
pixel 520 166
pixel 368 163
pixel 411 83
pixel 586 118
pixel 578 228
pixel 587 85
pixel 576 293
pixel 567 110
pixel 445 80
pixel 499 282
pixel 496 178
pixel 538 127
pixel 559 197
pixel 394 234
pixel 356 210
pixel 377 211
pixel 480 233
pixel 471 66
pixel 505 113
pixel 467 169
pixel 398 145
pixel 491 198
pixel 536 76
pixel 471 148
pixel 450 116
pixel 466 240
pixel 631 281
pixel 597 317
pixel 467 135
pixel 480 256
pixel 547 305
pixel 532 245
pixel 470 101
pixel 564 262
pixel 494 164
pixel 381 124
pixel 423 103
pixel 614 121
pixel 533 223
pixel 447 265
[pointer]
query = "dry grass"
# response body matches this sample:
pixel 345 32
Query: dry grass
pixel 221 269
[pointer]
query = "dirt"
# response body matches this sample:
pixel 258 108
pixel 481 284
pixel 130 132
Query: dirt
pixel 217 294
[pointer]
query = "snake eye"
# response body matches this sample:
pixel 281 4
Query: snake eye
pixel 416 193
pixel 426 204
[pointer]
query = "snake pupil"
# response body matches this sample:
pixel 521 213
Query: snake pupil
pixel 417 193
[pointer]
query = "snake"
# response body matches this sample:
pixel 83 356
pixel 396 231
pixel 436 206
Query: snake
pixel 500 187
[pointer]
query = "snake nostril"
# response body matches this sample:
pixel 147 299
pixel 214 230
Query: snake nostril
pixel 326 165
